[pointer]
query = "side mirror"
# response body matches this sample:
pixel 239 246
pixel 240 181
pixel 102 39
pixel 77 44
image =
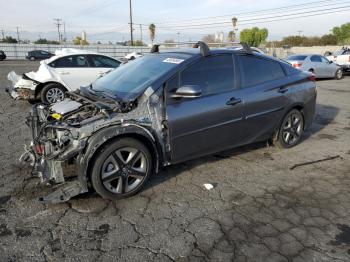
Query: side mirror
pixel 187 91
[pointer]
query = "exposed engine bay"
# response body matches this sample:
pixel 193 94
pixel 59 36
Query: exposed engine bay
pixel 71 131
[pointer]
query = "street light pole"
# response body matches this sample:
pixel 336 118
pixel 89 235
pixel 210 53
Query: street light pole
pixel 131 25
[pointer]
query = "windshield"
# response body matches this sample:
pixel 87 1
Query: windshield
pixel 297 57
pixel 129 80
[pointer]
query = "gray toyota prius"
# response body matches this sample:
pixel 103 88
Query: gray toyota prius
pixel 165 108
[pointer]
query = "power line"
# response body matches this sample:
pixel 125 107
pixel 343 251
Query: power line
pixel 246 20
pixel 217 24
pixel 289 7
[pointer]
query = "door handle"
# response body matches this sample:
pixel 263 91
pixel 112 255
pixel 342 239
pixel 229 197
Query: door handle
pixel 233 101
pixel 64 73
pixel 282 89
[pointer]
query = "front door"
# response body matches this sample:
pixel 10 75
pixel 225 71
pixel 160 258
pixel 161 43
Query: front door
pixel 211 122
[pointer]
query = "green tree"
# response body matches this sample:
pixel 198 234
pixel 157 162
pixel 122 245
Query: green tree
pixel 342 33
pixel 10 40
pixel 254 36
pixel 79 41
pixel 45 41
pixel 152 32
pixel 139 43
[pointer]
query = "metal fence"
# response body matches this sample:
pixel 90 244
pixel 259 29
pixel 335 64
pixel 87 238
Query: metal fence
pixel 19 51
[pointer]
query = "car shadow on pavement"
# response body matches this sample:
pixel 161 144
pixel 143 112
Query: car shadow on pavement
pixel 324 116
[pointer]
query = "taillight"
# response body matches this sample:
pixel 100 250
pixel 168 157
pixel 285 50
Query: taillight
pixel 312 78
pixel 39 149
pixel 298 65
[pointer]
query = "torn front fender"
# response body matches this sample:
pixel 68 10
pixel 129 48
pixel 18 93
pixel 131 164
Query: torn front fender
pixel 102 136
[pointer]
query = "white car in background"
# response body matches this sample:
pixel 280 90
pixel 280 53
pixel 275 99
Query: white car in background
pixel 68 70
pixel 133 55
pixel 340 57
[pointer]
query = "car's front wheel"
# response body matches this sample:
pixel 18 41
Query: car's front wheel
pixel 291 130
pixel 121 168
pixel 52 93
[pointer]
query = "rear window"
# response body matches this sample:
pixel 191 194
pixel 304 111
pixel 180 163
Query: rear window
pixel 256 70
pixel 297 57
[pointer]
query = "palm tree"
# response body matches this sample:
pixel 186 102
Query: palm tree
pixel 152 32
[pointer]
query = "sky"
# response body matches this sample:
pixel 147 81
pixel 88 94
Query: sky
pixel 107 20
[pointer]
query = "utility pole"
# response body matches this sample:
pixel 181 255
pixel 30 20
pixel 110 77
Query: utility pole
pixel 300 31
pixel 64 31
pixel 141 32
pixel 17 33
pixel 3 34
pixel 178 39
pixel 131 25
pixel 58 24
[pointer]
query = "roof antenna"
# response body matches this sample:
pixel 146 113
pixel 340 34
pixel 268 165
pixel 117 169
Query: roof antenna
pixel 155 48
pixel 204 48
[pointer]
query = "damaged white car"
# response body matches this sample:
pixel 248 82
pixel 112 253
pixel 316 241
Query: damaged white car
pixel 68 70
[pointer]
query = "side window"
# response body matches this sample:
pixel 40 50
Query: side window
pixel 213 74
pixel 257 70
pixel 316 58
pixel 103 61
pixel 70 62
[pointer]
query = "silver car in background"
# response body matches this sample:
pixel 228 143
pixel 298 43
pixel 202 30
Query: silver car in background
pixel 317 64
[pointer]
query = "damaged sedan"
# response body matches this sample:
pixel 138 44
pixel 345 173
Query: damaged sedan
pixel 165 108
pixel 66 71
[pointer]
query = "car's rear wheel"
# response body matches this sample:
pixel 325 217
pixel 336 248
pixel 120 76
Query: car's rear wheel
pixel 291 130
pixel 338 74
pixel 52 93
pixel 121 169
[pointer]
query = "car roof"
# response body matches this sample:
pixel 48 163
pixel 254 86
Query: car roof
pixel 196 52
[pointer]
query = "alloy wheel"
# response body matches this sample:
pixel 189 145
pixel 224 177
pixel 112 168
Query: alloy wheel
pixel 124 170
pixel 54 95
pixel 292 129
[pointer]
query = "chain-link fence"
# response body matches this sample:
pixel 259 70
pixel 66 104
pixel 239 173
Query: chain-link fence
pixel 19 51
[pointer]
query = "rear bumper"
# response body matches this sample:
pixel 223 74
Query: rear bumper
pixel 21 87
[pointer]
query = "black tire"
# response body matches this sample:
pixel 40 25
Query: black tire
pixel 293 123
pixel 338 74
pixel 114 176
pixel 132 58
pixel 52 88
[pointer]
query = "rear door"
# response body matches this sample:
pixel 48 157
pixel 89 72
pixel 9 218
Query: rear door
pixel 318 66
pixel 211 122
pixel 263 82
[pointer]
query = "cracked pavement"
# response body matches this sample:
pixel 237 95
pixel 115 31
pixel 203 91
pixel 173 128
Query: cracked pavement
pixel 260 209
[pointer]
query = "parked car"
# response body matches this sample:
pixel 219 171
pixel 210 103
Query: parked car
pixel 133 55
pixel 2 55
pixel 38 55
pixel 341 58
pixel 165 108
pixel 317 64
pixel 66 71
